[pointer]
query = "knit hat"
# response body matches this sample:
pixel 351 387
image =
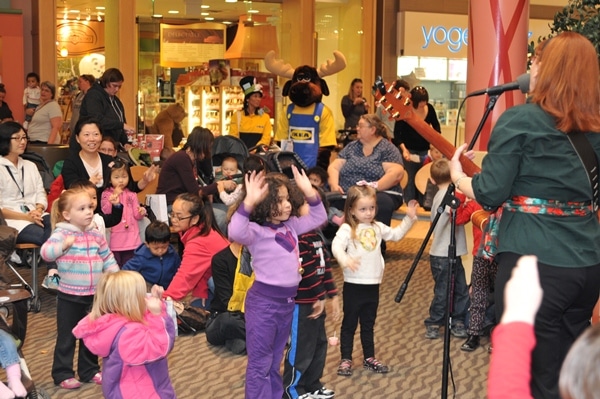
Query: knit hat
pixel 250 86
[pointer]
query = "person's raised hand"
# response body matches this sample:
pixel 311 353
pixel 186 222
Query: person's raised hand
pixel 303 182
pixel 256 188
pixel 154 305
pixel 411 209
pixel 151 173
pixel 523 292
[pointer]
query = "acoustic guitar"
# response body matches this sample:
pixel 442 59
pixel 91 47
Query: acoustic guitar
pixel 399 106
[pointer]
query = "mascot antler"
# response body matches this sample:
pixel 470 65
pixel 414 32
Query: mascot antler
pixel 332 66
pixel 277 66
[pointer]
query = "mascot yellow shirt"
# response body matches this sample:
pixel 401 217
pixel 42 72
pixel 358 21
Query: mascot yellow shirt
pixel 326 125
pixel 259 124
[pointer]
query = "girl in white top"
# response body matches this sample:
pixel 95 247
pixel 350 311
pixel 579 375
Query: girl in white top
pixel 357 248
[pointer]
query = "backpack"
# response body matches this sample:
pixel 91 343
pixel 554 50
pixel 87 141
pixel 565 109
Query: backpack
pixel 43 168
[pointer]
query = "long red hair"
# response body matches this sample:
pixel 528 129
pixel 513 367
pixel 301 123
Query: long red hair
pixel 568 83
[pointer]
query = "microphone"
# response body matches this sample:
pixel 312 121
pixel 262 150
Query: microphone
pixel 522 83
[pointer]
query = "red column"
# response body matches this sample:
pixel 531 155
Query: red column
pixel 497 55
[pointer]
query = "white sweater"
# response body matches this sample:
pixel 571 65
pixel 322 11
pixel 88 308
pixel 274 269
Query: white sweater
pixel 367 248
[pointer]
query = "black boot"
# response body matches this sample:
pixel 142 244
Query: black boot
pixel 470 344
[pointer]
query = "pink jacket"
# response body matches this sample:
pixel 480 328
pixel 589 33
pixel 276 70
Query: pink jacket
pixel 124 236
pixel 134 354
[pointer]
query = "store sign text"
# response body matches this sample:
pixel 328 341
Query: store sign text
pixel 454 36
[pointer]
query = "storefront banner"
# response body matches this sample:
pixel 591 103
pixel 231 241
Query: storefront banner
pixel 445 35
pixel 189 45
pixel 77 38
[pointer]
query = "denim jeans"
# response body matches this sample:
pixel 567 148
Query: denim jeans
pixel 8 350
pixel 36 234
pixel 439 270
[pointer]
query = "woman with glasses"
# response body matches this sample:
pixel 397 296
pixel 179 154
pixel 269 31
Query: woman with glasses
pixel 23 200
pixel 45 124
pixel 101 103
pixel 413 146
pixel 193 219
pixel 370 160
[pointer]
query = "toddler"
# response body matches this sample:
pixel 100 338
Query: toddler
pixel 266 222
pixel 440 263
pixel 133 333
pixel 9 359
pixel 357 248
pixel 124 236
pixel 31 96
pixel 318 177
pixel 82 255
pixel 156 259
pixel 229 168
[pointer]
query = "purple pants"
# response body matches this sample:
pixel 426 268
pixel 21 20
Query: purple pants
pixel 269 312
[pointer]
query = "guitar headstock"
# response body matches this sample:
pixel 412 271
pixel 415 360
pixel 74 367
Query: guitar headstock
pixel 395 102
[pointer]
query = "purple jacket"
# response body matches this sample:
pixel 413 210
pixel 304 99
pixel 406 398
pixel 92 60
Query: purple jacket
pixel 134 355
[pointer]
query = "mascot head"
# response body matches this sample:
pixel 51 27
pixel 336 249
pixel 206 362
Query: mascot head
pixel 307 85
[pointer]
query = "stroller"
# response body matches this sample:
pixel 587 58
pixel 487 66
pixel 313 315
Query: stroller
pixel 15 297
pixel 228 146
pixel 280 161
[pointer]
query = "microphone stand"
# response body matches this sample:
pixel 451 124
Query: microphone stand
pixel 489 107
pixel 453 202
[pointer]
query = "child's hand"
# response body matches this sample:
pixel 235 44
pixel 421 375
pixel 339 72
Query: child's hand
pixel 335 308
pixel 115 196
pixel 68 243
pixel 142 211
pixel 318 309
pixel 411 209
pixel 303 182
pixel 154 305
pixel 256 189
pixel 150 174
pixel 352 264
pixel 157 291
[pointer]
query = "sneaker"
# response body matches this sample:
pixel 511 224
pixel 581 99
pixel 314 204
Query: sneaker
pixel 375 365
pixel 345 368
pixel 15 258
pixel 433 332
pixel 51 282
pixel 322 393
pixel 70 383
pixel 305 396
pixel 459 330
pixel 97 379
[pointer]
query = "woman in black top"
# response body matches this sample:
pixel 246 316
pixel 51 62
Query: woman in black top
pixel 412 145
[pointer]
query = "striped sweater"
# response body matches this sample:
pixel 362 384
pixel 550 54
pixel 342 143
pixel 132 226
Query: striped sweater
pixel 81 266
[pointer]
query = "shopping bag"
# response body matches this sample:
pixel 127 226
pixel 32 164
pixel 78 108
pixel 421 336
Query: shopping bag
pixel 158 204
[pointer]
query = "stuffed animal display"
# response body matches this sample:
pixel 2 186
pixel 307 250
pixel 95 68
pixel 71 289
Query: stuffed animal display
pixel 306 127
pixel 168 123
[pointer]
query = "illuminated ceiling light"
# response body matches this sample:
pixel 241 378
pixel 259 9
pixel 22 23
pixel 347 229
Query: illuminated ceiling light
pixel 204 6
pixel 230 1
pixel 173 12
pixel 204 14
pixel 64 52
pixel 74 11
pixel 157 15
pixel 100 8
pixel 253 11
pixel 209 18
pixel 99 17
pixel 227 22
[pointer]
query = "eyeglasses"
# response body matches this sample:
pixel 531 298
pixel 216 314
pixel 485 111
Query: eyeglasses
pixel 179 218
pixel 363 126
pixel 19 138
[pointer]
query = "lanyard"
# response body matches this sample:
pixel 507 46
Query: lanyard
pixel 21 190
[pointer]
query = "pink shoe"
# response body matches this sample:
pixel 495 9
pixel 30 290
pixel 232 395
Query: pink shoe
pixel 70 383
pixel 97 378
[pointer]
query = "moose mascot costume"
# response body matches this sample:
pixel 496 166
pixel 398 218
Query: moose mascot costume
pixel 306 127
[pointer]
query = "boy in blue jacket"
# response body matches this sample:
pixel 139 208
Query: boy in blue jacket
pixel 156 259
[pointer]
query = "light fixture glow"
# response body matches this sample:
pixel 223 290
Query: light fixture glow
pixel 100 8
pixel 227 22
pixel 253 11
pixel 209 18
pixel 204 6
pixel 204 14
pixel 64 52
pixel 230 1
pixel 157 16
pixel 173 12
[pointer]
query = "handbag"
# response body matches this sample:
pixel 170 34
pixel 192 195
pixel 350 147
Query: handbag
pixel 191 320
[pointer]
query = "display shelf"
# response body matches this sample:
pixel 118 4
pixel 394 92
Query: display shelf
pixel 211 106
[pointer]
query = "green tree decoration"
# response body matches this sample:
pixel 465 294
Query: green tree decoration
pixel 581 16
